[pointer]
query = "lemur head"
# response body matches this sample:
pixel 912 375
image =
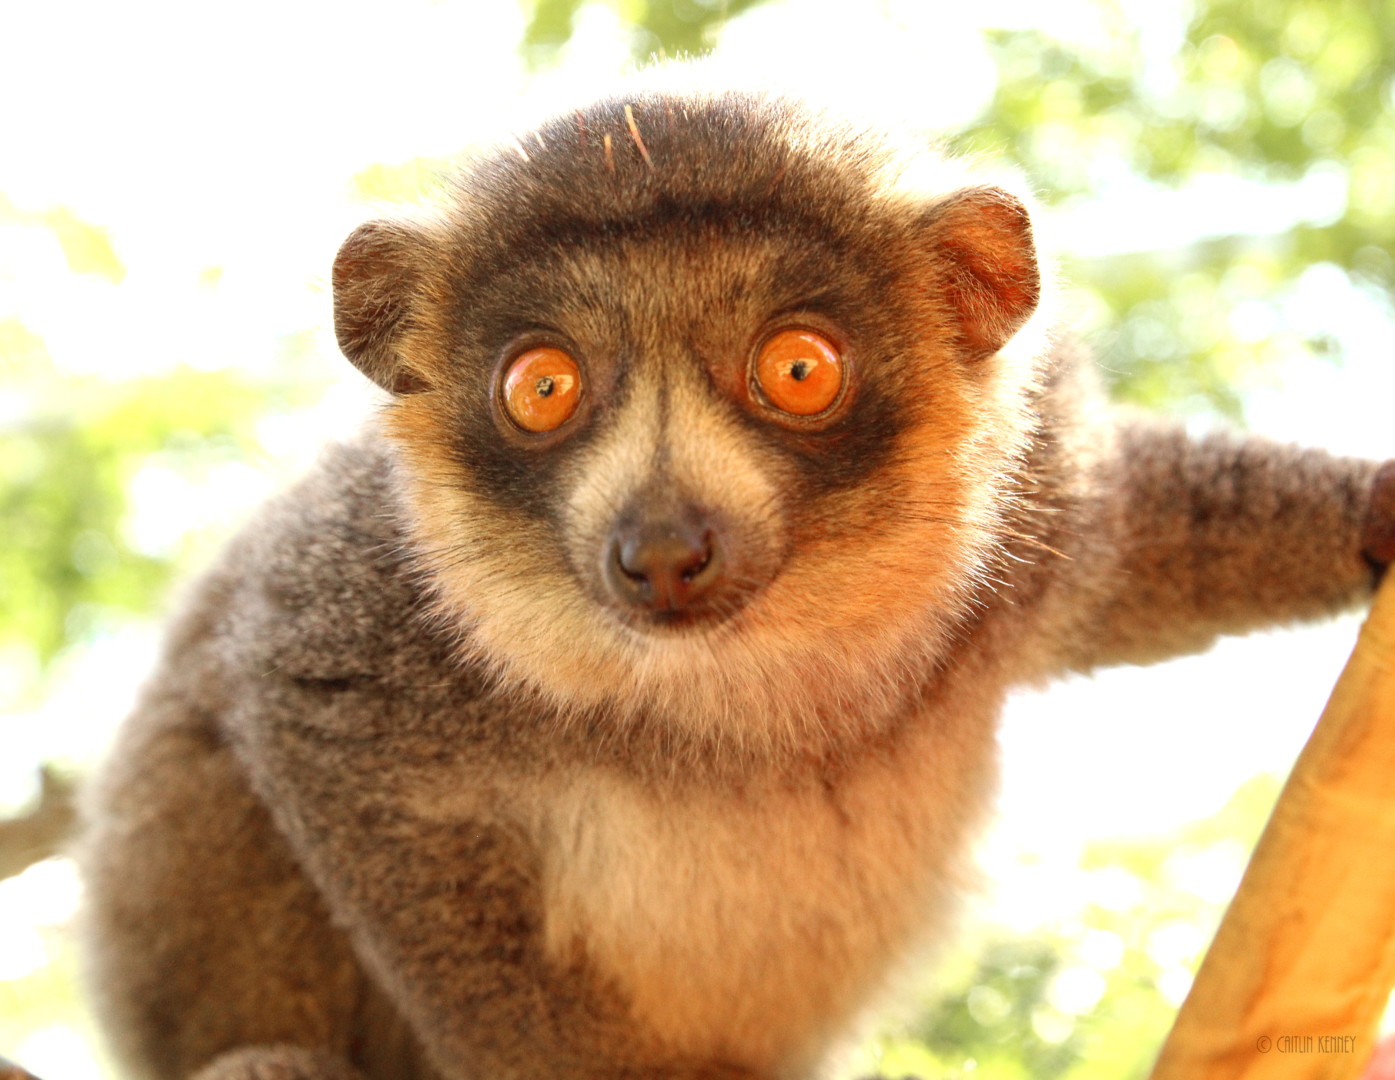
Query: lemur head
pixel 703 407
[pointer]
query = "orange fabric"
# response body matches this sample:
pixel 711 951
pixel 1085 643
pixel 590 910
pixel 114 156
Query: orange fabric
pixel 1300 970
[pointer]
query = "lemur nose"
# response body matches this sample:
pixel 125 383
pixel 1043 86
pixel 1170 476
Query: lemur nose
pixel 665 566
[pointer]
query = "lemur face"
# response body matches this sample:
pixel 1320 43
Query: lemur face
pixel 694 414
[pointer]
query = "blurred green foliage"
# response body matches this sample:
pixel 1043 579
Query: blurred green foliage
pixel 402 182
pixel 68 562
pixel 1090 996
pixel 1276 92
pixel 663 28
pixel 86 247
pixel 72 568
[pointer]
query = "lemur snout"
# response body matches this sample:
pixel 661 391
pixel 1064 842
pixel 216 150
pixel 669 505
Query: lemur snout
pixel 666 564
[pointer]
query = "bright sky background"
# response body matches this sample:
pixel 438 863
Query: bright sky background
pixel 225 136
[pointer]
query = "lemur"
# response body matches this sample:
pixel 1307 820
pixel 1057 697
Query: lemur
pixel 621 702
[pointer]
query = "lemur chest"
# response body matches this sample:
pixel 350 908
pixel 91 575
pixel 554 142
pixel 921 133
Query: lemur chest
pixel 753 927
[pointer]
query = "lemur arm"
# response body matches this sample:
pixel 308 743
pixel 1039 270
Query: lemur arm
pixel 1194 537
pixel 439 891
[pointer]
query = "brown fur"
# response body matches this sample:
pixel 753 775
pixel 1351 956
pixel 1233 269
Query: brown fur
pixel 414 794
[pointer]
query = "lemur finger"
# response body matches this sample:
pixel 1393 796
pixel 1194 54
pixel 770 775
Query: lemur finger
pixel 1378 533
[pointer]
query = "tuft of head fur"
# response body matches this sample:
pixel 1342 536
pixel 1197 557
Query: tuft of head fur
pixel 658 237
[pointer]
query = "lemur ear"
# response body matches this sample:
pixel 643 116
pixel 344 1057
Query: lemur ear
pixel 374 276
pixel 984 237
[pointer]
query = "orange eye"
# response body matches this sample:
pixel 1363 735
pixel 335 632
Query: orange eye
pixel 799 372
pixel 541 389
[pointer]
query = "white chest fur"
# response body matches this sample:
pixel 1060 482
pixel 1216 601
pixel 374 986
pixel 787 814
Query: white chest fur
pixel 754 927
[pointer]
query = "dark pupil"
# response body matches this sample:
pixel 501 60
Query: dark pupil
pixel 799 370
pixel 545 386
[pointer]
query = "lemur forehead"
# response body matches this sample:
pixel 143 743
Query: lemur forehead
pixel 737 152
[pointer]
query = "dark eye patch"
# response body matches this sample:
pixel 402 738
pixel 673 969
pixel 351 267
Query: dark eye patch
pixel 586 281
